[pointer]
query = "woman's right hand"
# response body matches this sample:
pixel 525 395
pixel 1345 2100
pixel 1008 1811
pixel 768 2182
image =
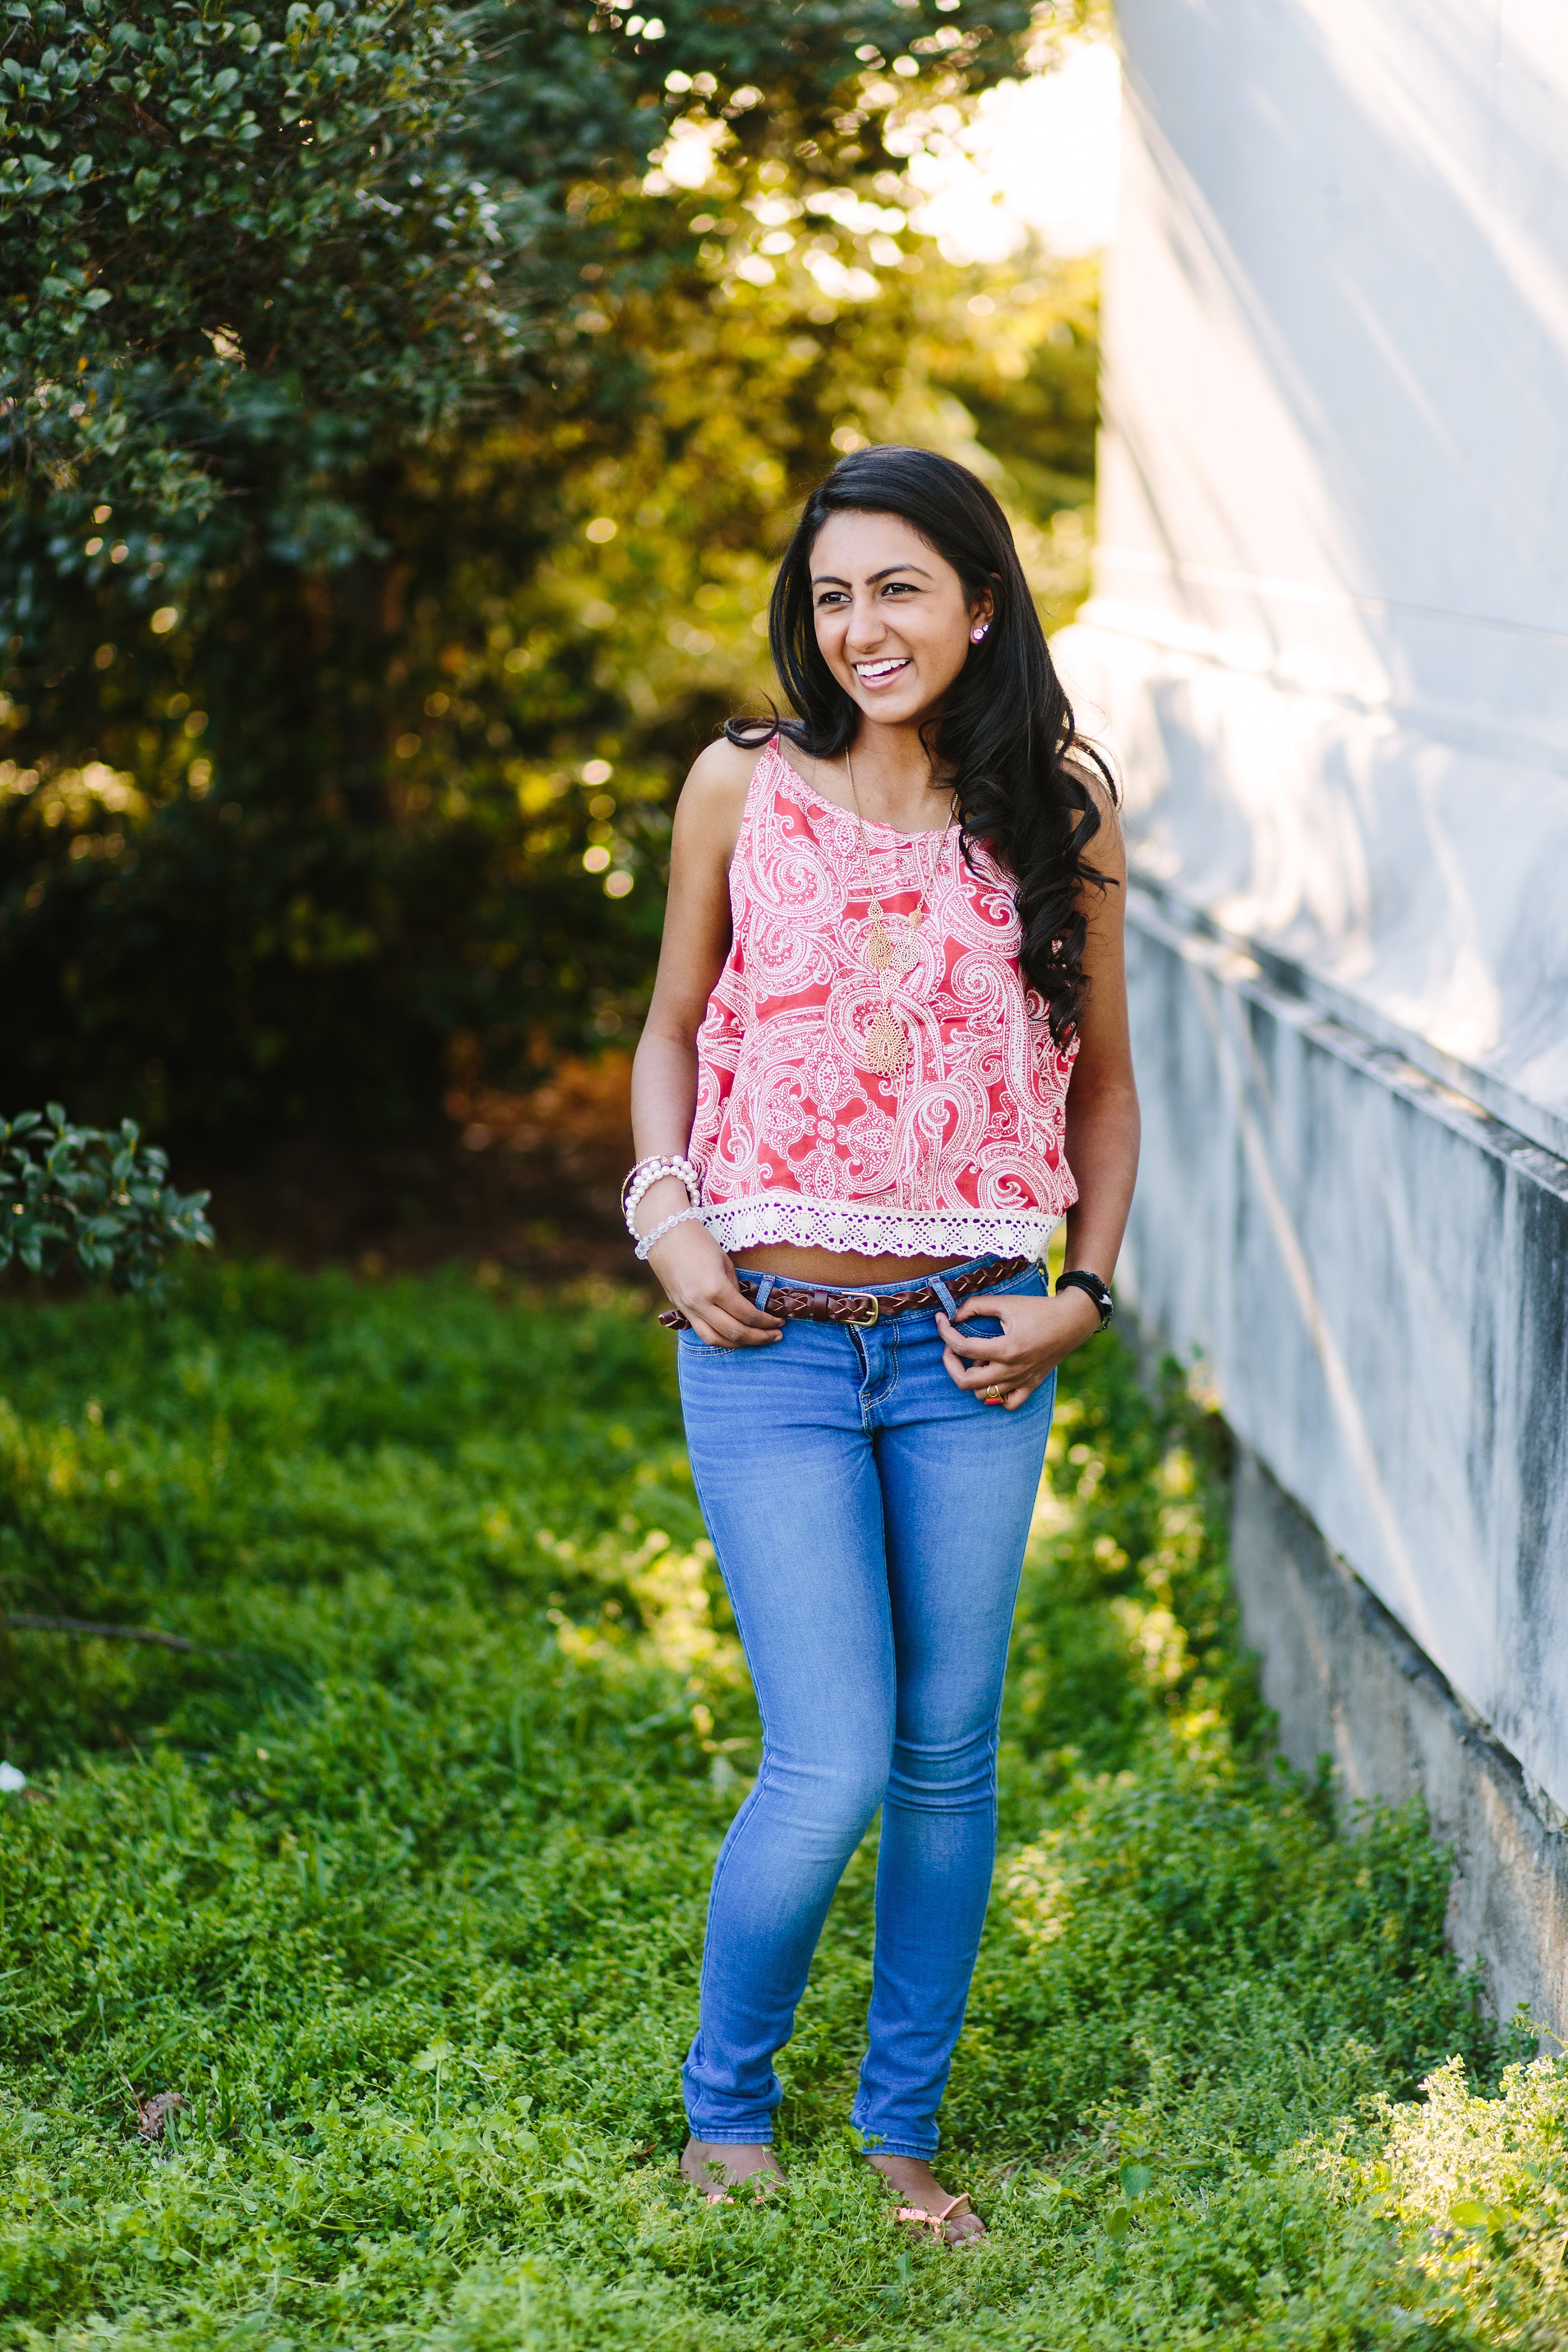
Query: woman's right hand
pixel 699 1278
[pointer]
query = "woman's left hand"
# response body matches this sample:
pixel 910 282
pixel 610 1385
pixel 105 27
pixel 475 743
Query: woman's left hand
pixel 1036 1334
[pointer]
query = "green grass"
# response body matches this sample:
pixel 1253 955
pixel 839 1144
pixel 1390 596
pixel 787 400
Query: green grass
pixel 398 1880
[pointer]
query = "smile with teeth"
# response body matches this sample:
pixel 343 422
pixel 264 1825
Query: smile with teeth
pixel 874 673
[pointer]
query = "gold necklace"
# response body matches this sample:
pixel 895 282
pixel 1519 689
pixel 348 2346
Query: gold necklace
pixel 887 1046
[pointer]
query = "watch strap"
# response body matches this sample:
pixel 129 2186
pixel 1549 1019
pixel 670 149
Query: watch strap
pixel 1080 1278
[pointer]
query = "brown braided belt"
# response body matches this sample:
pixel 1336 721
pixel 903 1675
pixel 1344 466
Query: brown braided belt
pixel 861 1308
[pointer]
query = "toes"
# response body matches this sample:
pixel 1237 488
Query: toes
pixel 717 2184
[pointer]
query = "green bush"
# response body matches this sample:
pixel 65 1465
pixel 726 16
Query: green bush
pixel 398 1877
pixel 101 1205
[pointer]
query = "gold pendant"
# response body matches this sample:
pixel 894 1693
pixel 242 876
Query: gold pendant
pixel 883 953
pixel 887 1047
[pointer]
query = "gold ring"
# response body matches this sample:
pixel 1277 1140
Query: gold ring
pixel 994 1396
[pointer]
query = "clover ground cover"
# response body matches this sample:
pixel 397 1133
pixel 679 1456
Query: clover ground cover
pixel 397 1877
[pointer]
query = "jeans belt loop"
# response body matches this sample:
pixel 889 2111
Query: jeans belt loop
pixel 766 1287
pixel 949 1304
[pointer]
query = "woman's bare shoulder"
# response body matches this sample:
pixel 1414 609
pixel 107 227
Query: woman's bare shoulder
pixel 724 767
pixel 714 797
pixel 1109 839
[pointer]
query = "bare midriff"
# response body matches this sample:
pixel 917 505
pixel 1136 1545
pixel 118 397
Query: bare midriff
pixel 839 1267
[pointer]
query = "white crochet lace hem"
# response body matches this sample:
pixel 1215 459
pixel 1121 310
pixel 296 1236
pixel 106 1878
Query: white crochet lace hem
pixel 868 1231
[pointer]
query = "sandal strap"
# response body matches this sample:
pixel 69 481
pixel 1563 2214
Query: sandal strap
pixel 938 2221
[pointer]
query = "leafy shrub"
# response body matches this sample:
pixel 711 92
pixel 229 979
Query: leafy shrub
pixel 99 1204
pixel 188 192
pixel 1486 2181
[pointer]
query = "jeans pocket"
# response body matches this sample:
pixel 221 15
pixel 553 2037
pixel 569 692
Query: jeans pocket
pixel 688 1345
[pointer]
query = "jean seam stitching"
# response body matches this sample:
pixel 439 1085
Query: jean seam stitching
pixel 871 1405
pixel 719 1870
pixel 748 1807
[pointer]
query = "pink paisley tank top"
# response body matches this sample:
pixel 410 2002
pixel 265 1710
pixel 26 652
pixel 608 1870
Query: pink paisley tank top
pixel 796 1139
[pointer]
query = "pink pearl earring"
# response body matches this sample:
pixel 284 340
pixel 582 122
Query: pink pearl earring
pixel 975 634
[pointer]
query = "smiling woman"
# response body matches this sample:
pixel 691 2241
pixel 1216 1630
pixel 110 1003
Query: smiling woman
pixel 910 620
pixel 886 1055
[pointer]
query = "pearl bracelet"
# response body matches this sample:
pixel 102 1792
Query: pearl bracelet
pixel 681 1217
pixel 648 1172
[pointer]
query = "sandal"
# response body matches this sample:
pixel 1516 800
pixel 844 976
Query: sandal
pixel 956 2208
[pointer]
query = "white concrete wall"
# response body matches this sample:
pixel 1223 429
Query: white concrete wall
pixel 1329 646
pixel 1329 632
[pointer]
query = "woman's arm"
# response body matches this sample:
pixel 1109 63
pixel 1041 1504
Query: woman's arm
pixel 695 1272
pixel 1101 1147
pixel 1102 1117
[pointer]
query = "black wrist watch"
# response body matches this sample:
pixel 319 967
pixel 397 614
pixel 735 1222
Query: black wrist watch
pixel 1081 1279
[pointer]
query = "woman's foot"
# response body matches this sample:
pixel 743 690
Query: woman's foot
pixel 924 2201
pixel 717 2166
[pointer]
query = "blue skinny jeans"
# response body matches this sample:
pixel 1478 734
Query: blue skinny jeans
pixel 869 1519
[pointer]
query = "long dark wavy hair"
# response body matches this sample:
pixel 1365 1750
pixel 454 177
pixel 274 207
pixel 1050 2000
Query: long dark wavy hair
pixel 1004 735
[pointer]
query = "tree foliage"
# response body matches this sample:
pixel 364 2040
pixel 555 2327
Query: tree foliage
pixel 341 732
pixel 225 227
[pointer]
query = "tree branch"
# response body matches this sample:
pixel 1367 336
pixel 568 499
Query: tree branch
pixel 105 1632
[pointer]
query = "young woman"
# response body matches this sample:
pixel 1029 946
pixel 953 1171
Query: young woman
pixel 886 1054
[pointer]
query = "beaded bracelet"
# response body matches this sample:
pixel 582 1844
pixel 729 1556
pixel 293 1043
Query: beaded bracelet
pixel 666 1224
pixel 648 1172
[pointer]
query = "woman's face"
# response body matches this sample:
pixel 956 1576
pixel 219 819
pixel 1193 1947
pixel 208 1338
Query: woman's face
pixel 891 617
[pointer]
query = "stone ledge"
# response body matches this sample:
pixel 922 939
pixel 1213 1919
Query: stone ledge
pixel 1346 1680
pixel 1374 1271
pixel 1295 996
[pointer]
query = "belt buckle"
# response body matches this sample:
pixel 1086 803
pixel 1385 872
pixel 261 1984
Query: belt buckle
pixel 863 1322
